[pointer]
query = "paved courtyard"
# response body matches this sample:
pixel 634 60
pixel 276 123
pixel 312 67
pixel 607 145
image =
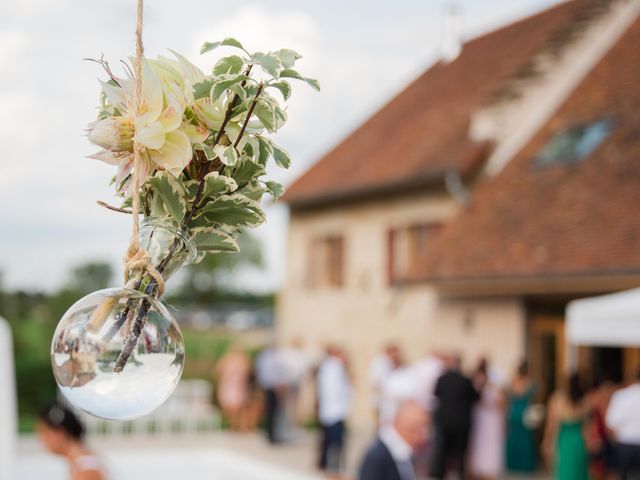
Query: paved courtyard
pixel 217 456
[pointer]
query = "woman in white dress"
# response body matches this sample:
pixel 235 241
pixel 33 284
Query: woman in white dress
pixel 61 433
pixel 486 460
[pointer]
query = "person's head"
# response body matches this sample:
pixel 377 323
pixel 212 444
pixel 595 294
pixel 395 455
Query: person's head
pixel 523 369
pixel 483 366
pixel 394 352
pixel 410 422
pixel 575 389
pixel 59 429
pixel 453 362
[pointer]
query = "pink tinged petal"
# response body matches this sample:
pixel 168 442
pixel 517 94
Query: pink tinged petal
pixel 171 117
pixel 124 170
pixel 174 155
pixel 107 157
pixel 151 136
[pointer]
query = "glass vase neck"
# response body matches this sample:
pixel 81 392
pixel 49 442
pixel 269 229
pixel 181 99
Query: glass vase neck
pixel 168 246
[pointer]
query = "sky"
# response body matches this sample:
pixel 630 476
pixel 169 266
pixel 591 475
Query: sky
pixel 362 51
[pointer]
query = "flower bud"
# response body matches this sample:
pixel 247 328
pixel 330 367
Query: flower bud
pixel 112 133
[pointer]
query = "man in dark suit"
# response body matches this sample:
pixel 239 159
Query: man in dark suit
pixel 389 458
pixel 456 396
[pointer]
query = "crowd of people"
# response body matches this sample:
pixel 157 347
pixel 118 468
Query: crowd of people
pixel 480 426
pixel 434 418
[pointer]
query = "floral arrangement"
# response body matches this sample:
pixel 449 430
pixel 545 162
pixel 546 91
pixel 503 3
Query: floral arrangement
pixel 204 139
pixel 204 147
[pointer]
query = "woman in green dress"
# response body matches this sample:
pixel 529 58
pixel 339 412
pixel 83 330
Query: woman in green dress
pixel 564 443
pixel 520 446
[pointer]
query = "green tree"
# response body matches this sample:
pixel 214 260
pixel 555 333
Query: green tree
pixel 90 277
pixel 206 281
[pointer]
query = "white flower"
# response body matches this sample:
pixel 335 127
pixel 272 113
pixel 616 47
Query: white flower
pixel 158 126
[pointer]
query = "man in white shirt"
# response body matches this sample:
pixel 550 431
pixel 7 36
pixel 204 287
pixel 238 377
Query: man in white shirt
pixel 623 418
pixel 334 402
pixel 389 458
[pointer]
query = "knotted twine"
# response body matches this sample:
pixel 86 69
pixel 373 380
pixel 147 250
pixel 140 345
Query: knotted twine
pixel 137 258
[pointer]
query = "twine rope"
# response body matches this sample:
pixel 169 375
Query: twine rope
pixel 137 258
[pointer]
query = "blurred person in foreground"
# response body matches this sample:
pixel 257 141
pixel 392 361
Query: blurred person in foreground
pixel 233 373
pixel 382 366
pixel 597 435
pixel 563 444
pixel 297 364
pixel 272 379
pixel 486 459
pixel 389 458
pixel 334 391
pixel 520 445
pixel 623 418
pixel 62 434
pixel 456 397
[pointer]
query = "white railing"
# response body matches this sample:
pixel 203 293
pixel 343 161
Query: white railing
pixel 188 410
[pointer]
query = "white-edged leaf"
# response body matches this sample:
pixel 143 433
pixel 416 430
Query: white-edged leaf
pixel 227 154
pixel 275 189
pixel 281 156
pixel 290 73
pixel 202 89
pixel 208 151
pixel 220 86
pixel 216 184
pixel 288 57
pixel 247 170
pixel 209 239
pixel 171 192
pixel 269 62
pixel 265 149
pixel 284 87
pixel 229 42
pixel 233 211
pixel 228 65
pixel 266 113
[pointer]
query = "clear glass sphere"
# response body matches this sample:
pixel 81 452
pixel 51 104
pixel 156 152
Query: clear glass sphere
pixel 88 361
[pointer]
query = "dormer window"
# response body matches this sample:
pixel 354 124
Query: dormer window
pixel 572 145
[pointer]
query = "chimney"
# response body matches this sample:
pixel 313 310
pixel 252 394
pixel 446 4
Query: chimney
pixel 452 37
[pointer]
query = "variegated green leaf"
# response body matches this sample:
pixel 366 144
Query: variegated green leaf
pixel 275 189
pixel 284 87
pixel 288 57
pixel 232 211
pixel 230 42
pixel 216 184
pixel 224 83
pixel 281 156
pixel 209 239
pixel 171 192
pixel 246 170
pixel 228 65
pixel 265 150
pixel 290 73
pixel 227 154
pixel 252 190
pixel 269 62
pixel 202 89
pixel 266 113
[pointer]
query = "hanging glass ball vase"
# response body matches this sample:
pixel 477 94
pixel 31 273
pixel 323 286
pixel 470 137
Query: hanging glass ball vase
pixel 118 353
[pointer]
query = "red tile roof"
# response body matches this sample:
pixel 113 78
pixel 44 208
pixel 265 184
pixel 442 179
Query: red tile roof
pixel 571 220
pixel 423 132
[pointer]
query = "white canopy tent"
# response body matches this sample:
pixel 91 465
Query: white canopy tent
pixel 7 402
pixel 606 321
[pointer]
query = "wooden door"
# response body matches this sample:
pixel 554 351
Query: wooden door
pixel 546 353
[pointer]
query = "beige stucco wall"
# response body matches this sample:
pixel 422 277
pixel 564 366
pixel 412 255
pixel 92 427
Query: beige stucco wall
pixel 366 313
